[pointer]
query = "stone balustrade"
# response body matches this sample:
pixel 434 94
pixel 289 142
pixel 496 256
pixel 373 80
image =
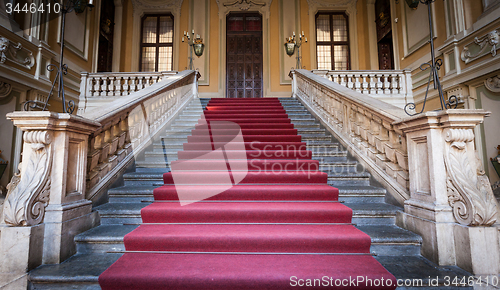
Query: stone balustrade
pixel 427 163
pixel 363 124
pixel 97 89
pixel 129 123
pixel 391 86
pixel 68 163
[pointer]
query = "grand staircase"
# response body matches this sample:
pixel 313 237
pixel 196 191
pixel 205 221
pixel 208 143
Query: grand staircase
pixel 396 249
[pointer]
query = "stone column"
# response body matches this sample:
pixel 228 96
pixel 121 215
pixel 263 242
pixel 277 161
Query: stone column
pixel 451 203
pixel 47 207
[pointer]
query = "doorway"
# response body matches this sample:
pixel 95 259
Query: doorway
pixel 244 55
pixel 107 23
pixel 384 35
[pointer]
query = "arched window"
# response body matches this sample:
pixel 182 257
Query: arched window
pixel 156 43
pixel 332 41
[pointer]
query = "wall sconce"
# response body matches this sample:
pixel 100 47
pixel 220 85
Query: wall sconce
pixel 291 43
pixel 196 44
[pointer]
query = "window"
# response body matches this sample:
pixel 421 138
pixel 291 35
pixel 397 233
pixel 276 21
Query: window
pixel 156 43
pixel 332 41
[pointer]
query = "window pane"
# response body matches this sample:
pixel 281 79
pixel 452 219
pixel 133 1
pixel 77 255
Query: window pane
pixel 149 30
pixel 324 57
pixel 253 24
pixel 166 29
pixel 148 58
pixel 341 56
pixel 323 28
pixel 165 59
pixel 339 28
pixel 235 23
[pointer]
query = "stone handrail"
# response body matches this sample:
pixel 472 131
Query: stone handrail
pixel 363 124
pixel 129 123
pixel 391 86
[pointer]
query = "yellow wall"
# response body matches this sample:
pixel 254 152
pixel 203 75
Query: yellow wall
pixel 363 46
pixel 128 20
pixel 213 46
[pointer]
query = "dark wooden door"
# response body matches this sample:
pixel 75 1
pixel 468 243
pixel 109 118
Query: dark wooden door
pixel 244 56
pixel 384 34
pixel 107 23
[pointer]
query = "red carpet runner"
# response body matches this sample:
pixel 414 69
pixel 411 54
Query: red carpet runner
pixel 280 227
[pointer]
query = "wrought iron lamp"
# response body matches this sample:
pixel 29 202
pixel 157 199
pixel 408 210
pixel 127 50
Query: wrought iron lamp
pixel 434 66
pixel 67 6
pixel 291 43
pixel 197 46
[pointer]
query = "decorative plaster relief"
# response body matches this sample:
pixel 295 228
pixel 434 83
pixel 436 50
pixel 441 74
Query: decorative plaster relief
pixel 157 4
pixel 244 5
pixel 469 190
pixel 493 84
pixel 5 89
pixel 28 193
pixel 490 40
pixel 15 53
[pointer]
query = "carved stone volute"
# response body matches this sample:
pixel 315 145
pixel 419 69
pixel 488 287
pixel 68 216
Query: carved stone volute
pixel 25 203
pixel 469 190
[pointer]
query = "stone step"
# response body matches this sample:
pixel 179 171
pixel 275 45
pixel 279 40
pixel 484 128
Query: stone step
pixel 367 213
pixel 119 213
pixel 361 194
pixel 349 179
pixel 131 193
pixel 78 272
pixel 102 239
pixel 390 240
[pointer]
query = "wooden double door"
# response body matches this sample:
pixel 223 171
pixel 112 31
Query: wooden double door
pixel 244 55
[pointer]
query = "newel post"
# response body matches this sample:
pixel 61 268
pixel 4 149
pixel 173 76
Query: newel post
pixel 451 203
pixel 46 207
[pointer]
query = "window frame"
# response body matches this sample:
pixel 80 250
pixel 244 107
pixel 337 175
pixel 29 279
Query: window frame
pixel 332 43
pixel 157 44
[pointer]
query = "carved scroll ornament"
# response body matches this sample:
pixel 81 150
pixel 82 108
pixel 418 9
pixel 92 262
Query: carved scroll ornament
pixel 490 40
pixel 493 84
pixel 25 203
pixel 15 53
pixel 469 190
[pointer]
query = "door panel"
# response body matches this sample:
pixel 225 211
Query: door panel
pixel 244 58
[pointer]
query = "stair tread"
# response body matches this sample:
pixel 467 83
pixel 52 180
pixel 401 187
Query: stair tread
pixel 368 208
pixel 389 234
pixel 78 268
pixel 123 208
pixel 105 233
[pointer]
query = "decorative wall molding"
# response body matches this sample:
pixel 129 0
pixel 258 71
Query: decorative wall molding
pixel 244 5
pixel 493 84
pixel 25 203
pixel 5 89
pixel 9 51
pixel 489 41
pixel 469 190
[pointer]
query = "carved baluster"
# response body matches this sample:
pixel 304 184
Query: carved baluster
pixel 387 85
pixel 395 84
pixel 365 83
pixel 110 90
pixel 97 86
pixel 140 84
pixel 133 86
pixel 104 86
pixel 350 83
pixel 357 84
pixel 380 85
pixel 118 86
pixel 342 80
pixel 373 83
pixel 126 86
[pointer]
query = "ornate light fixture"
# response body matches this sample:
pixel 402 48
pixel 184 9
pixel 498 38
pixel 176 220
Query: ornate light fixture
pixel 196 44
pixel 434 66
pixel 68 6
pixel 291 43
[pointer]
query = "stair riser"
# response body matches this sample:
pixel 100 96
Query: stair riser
pixel 362 199
pixel 389 249
pixel 373 220
pixel 85 247
pixel 64 286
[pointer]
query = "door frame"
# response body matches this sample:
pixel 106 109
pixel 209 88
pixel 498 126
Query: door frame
pixel 242 33
pixel 226 7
